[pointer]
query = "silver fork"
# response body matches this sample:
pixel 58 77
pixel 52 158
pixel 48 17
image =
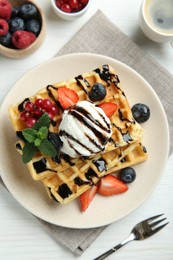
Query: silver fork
pixel 142 230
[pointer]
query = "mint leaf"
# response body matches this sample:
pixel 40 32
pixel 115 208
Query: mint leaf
pixel 29 134
pixel 29 151
pixel 37 141
pixel 43 132
pixel 44 120
pixel 47 148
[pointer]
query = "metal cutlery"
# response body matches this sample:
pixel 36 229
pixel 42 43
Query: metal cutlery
pixel 141 231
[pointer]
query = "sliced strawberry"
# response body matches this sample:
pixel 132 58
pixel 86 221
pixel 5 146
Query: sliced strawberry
pixel 109 108
pixel 110 185
pixel 67 97
pixel 87 197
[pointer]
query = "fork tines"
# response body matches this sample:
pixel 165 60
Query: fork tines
pixel 154 224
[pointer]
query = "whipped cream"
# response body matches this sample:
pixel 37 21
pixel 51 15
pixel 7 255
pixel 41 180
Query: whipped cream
pixel 84 130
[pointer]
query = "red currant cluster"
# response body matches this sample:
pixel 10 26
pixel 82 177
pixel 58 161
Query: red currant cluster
pixel 32 111
pixel 71 6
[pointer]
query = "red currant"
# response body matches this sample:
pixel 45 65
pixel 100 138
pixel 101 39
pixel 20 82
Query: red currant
pixel 73 4
pixel 31 121
pixel 84 2
pixel 50 115
pixel 66 8
pixel 80 7
pixel 24 116
pixel 29 106
pixel 47 104
pixel 38 102
pixel 54 110
pixel 38 112
pixel 59 3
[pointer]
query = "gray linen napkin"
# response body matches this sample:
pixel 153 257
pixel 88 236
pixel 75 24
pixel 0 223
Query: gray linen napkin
pixel 101 36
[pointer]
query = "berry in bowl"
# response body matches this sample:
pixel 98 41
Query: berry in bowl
pixel 22 28
pixel 70 9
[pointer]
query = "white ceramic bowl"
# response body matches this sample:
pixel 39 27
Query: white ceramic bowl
pixel 21 53
pixel 69 16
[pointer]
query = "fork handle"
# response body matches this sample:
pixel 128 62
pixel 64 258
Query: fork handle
pixel 115 248
pixel 106 254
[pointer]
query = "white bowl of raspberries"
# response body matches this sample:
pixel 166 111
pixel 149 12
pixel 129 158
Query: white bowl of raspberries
pixel 22 28
pixel 70 9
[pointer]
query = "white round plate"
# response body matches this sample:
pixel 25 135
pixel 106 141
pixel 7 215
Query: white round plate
pixel 103 210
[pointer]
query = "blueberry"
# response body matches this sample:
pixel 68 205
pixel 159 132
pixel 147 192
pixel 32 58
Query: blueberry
pixel 15 11
pixel 55 140
pixel 98 92
pixel 5 40
pixel 57 143
pixel 141 112
pixel 33 26
pixel 16 24
pixel 28 11
pixel 127 175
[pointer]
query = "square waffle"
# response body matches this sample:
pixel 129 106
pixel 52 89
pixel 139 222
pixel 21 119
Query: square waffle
pixel 71 183
pixel 124 143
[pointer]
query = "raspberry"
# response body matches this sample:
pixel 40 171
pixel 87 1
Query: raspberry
pixel 3 27
pixel 5 9
pixel 22 39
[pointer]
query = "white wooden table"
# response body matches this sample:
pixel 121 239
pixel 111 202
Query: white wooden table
pixel 21 236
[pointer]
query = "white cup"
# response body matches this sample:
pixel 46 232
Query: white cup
pixel 156 19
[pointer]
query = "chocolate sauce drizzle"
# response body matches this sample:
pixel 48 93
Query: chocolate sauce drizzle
pixel 94 142
pixel 52 196
pixel 64 191
pixel 68 136
pixel 111 140
pixel 122 118
pixel 67 158
pixel 108 77
pixel 78 81
pixel 90 174
pixel 120 152
pixel 78 181
pixel 85 113
pixel 100 164
pixel 105 74
pixel 143 148
pixel 40 166
pixel 82 119
pixel 18 146
pixel 123 160
pixel 48 88
pixel 126 136
pixel 20 136
pixel 21 105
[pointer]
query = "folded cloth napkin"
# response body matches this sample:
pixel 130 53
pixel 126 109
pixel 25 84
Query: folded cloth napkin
pixel 101 36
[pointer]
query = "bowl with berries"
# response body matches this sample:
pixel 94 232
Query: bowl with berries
pixel 22 28
pixel 70 9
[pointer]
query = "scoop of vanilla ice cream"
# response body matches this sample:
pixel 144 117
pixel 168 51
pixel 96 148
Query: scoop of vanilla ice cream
pixel 84 130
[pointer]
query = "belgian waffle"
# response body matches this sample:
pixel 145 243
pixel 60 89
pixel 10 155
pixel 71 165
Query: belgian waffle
pixel 124 142
pixel 71 183
pixel 125 128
